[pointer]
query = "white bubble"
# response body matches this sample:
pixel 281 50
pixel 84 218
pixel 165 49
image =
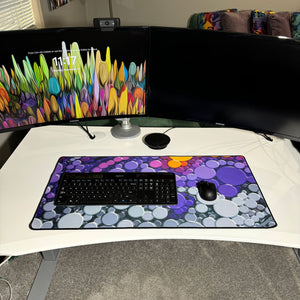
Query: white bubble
pixel 136 211
pixel 193 190
pixel 160 213
pixel 260 214
pixel 244 209
pixel 49 215
pixel 190 224
pixel 181 189
pixel 226 208
pixel 92 209
pixel 73 220
pixel 36 223
pixel 242 195
pixel 225 222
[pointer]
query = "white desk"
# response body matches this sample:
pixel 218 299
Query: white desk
pixel 275 165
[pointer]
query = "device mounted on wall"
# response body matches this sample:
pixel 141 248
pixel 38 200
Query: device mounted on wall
pixel 106 24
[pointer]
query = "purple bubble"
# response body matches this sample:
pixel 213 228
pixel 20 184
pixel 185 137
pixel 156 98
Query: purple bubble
pixel 251 179
pixel 212 164
pixel 96 170
pixel 131 165
pixel 85 158
pixel 116 170
pixel 103 165
pixel 231 175
pixel 239 165
pixel 180 183
pixel 205 172
pixel 228 190
pixel 54 178
pixel 191 183
pixel 50 195
pixel 147 170
pixel 181 201
pixel 76 162
pixel 117 159
pixel 192 176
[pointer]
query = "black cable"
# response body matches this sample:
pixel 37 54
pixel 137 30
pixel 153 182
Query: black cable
pixel 86 130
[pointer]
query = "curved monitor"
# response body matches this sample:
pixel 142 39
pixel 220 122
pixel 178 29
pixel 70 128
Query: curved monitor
pixel 239 80
pixel 59 75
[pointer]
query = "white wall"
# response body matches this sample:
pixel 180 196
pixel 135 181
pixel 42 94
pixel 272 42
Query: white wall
pixel 174 13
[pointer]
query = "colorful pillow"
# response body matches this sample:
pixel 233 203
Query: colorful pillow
pixel 259 21
pixel 208 20
pixel 295 20
pixel 236 21
pixel 278 24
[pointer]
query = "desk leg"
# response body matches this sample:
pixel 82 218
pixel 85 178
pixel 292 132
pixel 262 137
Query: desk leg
pixel 297 251
pixel 44 275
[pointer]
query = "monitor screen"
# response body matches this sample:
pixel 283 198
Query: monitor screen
pixel 239 80
pixel 57 75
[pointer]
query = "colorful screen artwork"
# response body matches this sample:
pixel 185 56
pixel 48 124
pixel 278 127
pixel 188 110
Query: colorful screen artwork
pixel 239 204
pixel 70 81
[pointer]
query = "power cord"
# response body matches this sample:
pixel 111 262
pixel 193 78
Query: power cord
pixel 169 129
pixel 10 288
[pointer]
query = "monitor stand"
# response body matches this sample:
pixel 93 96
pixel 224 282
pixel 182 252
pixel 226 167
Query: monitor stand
pixel 125 130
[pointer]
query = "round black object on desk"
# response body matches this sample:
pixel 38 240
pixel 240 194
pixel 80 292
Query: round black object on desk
pixel 157 140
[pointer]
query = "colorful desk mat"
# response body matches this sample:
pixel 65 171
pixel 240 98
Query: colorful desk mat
pixel 239 204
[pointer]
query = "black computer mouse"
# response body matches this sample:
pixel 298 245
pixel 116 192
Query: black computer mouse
pixel 157 140
pixel 207 190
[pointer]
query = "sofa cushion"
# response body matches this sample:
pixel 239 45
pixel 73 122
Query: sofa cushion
pixel 295 20
pixel 279 24
pixel 236 21
pixel 208 20
pixel 259 21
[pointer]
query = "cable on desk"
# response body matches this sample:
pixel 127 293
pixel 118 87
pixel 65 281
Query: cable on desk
pixel 169 129
pixel 10 288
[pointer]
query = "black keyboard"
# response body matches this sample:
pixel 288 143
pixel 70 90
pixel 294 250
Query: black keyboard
pixel 116 189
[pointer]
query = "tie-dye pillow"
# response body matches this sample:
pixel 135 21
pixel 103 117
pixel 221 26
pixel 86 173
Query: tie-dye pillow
pixel 259 21
pixel 208 20
pixel 296 25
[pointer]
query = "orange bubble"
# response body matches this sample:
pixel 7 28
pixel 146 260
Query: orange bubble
pixel 181 158
pixel 184 163
pixel 174 164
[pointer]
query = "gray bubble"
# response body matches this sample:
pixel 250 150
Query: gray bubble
pixel 92 209
pixel 254 196
pixel 201 208
pixel 49 206
pixel 226 208
pixel 147 216
pixel 253 187
pixel 238 201
pixel 190 224
pixel 147 224
pixel 91 225
pixel 125 223
pixel 36 223
pixel 98 220
pixel 170 223
pixel 192 210
pixel 244 209
pixel 110 218
pixel 87 217
pixel 190 217
pixel 239 220
pixel 67 210
pixel 111 209
pixel 225 222
pixel 48 215
pixel 160 213
pixel 209 222
pixel 73 220
pixel 47 225
pixel 121 207
pixel 249 222
pixel 251 203
pixel 136 211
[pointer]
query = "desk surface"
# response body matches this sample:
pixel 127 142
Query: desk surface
pixel 275 165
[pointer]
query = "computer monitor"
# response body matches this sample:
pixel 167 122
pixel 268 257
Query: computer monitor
pixel 54 76
pixel 238 80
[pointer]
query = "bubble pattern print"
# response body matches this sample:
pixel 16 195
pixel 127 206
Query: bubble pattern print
pixel 239 203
